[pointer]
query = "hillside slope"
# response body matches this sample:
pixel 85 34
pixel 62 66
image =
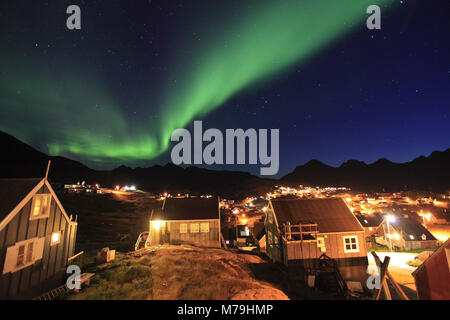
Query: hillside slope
pixel 184 273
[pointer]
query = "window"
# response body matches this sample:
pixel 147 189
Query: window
pixel 320 242
pixel 23 254
pixel 194 227
pixel 56 238
pixel 40 206
pixel 351 244
pixel 183 228
pixel 204 227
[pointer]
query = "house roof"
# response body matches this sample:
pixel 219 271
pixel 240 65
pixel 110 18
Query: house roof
pixel 331 215
pixel 188 209
pixel 12 191
pixel 407 227
pixel 446 244
pixel 259 230
pixel 367 221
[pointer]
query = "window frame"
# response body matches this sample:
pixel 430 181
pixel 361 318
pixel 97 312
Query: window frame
pixel 183 228
pixel 15 260
pixel 351 250
pixel 202 225
pixel 192 229
pixel 41 215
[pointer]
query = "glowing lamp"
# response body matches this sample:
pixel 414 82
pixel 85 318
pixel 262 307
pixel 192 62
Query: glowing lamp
pixel 390 218
pixel 156 224
pixel 55 237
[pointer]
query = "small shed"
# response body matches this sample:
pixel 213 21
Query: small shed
pixel 299 231
pixel 186 220
pixel 404 234
pixel 432 277
pixel 36 238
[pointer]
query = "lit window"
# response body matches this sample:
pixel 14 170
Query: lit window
pixel 40 206
pixel 194 227
pixel 183 228
pixel 351 244
pixel 320 242
pixel 56 237
pixel 204 227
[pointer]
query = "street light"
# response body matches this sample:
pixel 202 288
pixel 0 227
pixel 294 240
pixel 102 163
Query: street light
pixel 390 218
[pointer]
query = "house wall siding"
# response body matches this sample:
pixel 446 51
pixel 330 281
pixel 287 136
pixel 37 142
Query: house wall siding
pixel 169 232
pixel 30 281
pixel 432 281
pixel 334 244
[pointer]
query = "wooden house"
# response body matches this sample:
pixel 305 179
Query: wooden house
pixel 432 277
pixel 404 234
pixel 36 238
pixel 186 220
pixel 299 231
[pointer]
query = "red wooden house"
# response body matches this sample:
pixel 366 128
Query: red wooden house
pixel 432 277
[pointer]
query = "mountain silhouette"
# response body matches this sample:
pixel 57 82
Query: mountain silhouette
pixel 423 173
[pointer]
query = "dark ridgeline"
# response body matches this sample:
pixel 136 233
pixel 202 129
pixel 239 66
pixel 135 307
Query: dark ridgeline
pixel 423 173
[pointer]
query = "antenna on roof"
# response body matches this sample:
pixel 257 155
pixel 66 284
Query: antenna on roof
pixel 48 168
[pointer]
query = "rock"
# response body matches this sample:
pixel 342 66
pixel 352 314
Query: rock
pixel 260 294
pixel 424 255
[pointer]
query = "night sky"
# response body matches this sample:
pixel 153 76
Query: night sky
pixel 113 92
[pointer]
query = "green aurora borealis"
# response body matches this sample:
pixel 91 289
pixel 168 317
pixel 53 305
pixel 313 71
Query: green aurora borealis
pixel 60 106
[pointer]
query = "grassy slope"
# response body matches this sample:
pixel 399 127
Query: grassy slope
pixel 183 272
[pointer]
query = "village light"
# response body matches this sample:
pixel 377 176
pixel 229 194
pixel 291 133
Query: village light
pixel 396 236
pixel 156 224
pixel 390 218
